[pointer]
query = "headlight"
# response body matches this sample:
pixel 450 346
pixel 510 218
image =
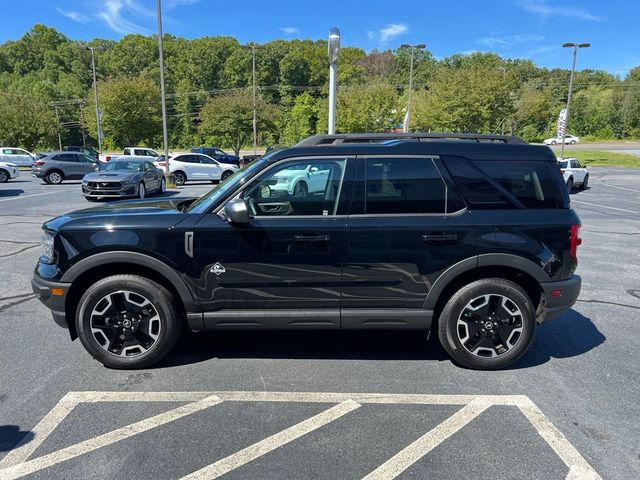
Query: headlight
pixel 283 179
pixel 47 247
pixel 85 182
pixel 128 182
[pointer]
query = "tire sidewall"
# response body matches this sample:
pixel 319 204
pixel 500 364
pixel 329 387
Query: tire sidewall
pixel 4 176
pixel 156 294
pixel 182 176
pixel 52 182
pixel 448 323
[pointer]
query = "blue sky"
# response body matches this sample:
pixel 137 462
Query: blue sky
pixel 532 29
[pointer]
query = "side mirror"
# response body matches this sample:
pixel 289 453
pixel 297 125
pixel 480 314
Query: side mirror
pixel 236 211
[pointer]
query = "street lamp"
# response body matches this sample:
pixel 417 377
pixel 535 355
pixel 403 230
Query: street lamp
pixel 165 136
pixel 255 109
pixel 420 46
pixel 575 47
pixel 95 96
pixel 334 50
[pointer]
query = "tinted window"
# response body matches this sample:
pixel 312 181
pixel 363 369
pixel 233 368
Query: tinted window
pixel 309 187
pixel 66 157
pixel 404 185
pixel 528 182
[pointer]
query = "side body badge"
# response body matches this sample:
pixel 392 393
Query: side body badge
pixel 218 269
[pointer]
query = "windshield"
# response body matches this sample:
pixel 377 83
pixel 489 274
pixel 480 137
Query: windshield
pixel 122 165
pixel 564 163
pixel 208 200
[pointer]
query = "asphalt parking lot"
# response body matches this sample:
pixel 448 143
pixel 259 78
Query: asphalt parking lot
pixel 330 405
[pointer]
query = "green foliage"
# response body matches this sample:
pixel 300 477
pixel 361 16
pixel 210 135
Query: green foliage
pixel 302 120
pixel 27 121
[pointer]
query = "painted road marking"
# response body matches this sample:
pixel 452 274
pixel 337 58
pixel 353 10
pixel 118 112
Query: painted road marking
pixel 17 462
pixel 602 206
pixel 621 188
pixel 430 440
pixel 34 195
pixel 262 447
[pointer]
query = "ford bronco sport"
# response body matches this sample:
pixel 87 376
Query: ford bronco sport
pixel 469 235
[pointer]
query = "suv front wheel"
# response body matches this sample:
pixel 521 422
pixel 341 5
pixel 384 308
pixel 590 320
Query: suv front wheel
pixel 127 321
pixel 488 324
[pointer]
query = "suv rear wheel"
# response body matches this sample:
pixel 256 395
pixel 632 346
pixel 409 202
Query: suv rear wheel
pixel 54 177
pixel 127 321
pixel 488 324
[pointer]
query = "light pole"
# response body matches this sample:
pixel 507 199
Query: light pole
pixel 165 136
pixel 95 96
pixel 575 47
pixel 334 50
pixel 413 48
pixel 255 107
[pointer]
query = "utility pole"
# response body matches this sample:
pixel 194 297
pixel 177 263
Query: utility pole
pixel 95 96
pixel 413 49
pixel 165 135
pixel 255 106
pixel 58 125
pixel 575 47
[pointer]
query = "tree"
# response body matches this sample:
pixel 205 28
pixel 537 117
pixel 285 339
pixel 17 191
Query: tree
pixel 302 120
pixel 131 112
pixel 370 108
pixel 26 121
pixel 227 120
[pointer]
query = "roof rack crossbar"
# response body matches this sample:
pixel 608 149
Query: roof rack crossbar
pixel 346 138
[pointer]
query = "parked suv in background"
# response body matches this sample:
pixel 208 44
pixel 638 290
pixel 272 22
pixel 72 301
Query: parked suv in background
pixel 468 235
pixel 218 155
pixel 195 166
pixel 54 167
pixel 574 173
pixel 86 150
pixel 16 156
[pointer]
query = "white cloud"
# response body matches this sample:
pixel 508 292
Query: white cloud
pixel 290 30
pixel 544 10
pixel 506 41
pixel 112 14
pixel 387 33
pixel 73 15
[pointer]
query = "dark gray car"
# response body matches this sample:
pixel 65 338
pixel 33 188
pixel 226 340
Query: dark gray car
pixel 54 167
pixel 124 178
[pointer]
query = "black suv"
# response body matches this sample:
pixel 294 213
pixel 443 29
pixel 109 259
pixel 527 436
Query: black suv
pixel 471 235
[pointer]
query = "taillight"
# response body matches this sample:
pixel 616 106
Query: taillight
pixel 162 164
pixel 39 163
pixel 107 158
pixel 575 240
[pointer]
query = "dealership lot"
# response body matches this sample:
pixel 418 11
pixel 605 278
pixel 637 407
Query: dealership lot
pixel 567 409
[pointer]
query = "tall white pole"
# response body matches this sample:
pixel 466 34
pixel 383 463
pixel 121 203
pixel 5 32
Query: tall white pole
pixel 406 126
pixel 332 97
pixel 95 96
pixel 255 108
pixel 566 120
pixel 165 136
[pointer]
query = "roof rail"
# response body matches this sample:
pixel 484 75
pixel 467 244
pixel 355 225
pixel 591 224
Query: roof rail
pixel 345 138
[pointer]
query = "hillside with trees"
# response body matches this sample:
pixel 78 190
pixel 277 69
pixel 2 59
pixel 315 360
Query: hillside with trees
pixel 45 89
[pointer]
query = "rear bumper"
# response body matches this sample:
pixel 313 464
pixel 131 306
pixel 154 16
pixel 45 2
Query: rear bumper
pixel 558 297
pixel 56 303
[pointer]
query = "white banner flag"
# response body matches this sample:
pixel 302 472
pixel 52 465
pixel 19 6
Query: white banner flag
pixel 562 123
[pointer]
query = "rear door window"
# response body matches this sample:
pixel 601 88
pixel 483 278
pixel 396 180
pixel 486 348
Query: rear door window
pixel 404 185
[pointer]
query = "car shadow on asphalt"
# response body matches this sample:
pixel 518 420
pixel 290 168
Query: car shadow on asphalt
pixel 11 436
pixel 572 334
pixel 569 335
pixel 12 192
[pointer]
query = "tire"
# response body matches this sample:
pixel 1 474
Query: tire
pixel 301 190
pixel 226 174
pixel 572 142
pixel 142 190
pixel 513 316
pixel 181 177
pixel 54 177
pixel 101 327
pixel 4 176
pixel 163 186
pixel 570 185
pixel 553 142
pixel 585 183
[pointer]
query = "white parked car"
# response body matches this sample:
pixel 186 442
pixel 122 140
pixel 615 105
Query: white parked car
pixel 568 140
pixel 196 166
pixel 575 174
pixel 8 171
pixel 301 180
pixel 17 156
pixel 136 153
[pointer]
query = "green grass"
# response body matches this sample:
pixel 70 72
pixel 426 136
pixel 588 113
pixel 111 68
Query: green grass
pixel 605 159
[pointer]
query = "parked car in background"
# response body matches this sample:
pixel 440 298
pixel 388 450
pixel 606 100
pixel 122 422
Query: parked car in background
pixel 54 167
pixel 8 171
pixel 568 140
pixel 196 166
pixel 124 178
pixel 133 152
pixel 86 150
pixel 17 156
pixel 575 174
pixel 217 154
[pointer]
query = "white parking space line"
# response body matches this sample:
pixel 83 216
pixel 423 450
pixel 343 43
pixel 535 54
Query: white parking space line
pixel 621 188
pixel 16 463
pixel 602 206
pixel 578 466
pixel 277 440
pixel 45 461
pixel 430 440
pixel 34 195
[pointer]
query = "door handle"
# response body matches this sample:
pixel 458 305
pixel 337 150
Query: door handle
pixel 312 239
pixel 439 238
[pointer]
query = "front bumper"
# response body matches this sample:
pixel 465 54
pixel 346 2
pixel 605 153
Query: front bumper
pixel 558 297
pixel 43 290
pixel 108 191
